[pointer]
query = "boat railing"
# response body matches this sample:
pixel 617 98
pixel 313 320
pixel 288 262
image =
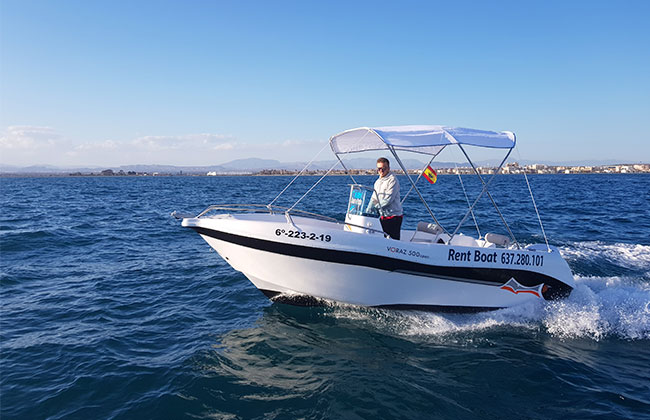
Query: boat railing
pixel 263 208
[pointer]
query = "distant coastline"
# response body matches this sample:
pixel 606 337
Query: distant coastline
pixel 509 169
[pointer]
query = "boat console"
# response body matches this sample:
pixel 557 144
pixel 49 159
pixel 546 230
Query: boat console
pixel 362 218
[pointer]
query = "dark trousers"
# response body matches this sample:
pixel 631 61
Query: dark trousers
pixel 392 226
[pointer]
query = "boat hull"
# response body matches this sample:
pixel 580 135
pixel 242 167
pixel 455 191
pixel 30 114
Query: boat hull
pixel 370 270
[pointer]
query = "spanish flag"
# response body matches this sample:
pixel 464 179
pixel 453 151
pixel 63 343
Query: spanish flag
pixel 430 175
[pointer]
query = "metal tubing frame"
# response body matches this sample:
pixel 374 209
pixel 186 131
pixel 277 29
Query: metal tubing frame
pixel 345 168
pixel 462 185
pixel 420 175
pixel 296 177
pixel 399 161
pixel 488 192
pixel 414 187
pixel 548 248
pixel 312 187
pixel 484 190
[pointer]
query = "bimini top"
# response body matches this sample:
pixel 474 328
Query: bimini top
pixel 427 139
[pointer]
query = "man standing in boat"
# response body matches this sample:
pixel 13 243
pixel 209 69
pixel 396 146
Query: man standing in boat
pixel 386 199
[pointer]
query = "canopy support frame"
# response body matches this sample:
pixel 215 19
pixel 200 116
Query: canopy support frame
pixel 548 248
pixel 347 171
pixel 420 175
pixel 312 187
pixel 399 161
pixel 462 185
pixel 483 191
pixel 297 176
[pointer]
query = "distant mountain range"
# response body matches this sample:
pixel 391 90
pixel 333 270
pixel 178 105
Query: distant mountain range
pixel 256 165
pixel 235 166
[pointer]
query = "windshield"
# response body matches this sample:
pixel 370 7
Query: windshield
pixel 360 196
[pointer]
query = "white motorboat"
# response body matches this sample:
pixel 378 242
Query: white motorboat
pixel 305 258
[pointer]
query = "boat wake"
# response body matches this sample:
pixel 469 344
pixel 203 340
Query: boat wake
pixel 600 307
pixel 626 256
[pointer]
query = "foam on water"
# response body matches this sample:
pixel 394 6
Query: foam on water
pixel 601 307
pixel 626 255
pixel 598 308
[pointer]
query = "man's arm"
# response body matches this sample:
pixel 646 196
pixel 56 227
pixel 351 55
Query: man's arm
pixel 372 203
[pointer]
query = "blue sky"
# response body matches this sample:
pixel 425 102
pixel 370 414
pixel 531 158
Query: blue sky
pixel 205 82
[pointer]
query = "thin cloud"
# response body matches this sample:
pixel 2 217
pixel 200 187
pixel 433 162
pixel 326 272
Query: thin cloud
pixel 293 143
pixel 29 145
pixel 158 143
pixel 28 137
pixel 103 145
pixel 224 146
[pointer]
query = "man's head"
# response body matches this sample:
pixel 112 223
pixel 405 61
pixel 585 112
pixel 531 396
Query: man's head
pixel 383 167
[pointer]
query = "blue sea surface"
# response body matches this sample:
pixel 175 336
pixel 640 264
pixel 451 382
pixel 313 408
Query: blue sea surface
pixel 110 309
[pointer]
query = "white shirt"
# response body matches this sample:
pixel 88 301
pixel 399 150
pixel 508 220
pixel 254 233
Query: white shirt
pixel 386 196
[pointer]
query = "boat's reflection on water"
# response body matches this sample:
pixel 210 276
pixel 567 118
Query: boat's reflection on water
pixel 316 360
pixel 343 361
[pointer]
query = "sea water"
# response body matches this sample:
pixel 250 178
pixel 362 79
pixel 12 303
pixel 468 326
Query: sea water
pixel 110 309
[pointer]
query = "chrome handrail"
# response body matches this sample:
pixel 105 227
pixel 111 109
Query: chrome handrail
pixel 263 208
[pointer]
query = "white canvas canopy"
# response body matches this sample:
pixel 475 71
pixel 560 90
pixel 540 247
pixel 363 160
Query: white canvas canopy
pixel 429 140
pixel 426 139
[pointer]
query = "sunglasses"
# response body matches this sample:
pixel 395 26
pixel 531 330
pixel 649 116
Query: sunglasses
pixel 383 168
